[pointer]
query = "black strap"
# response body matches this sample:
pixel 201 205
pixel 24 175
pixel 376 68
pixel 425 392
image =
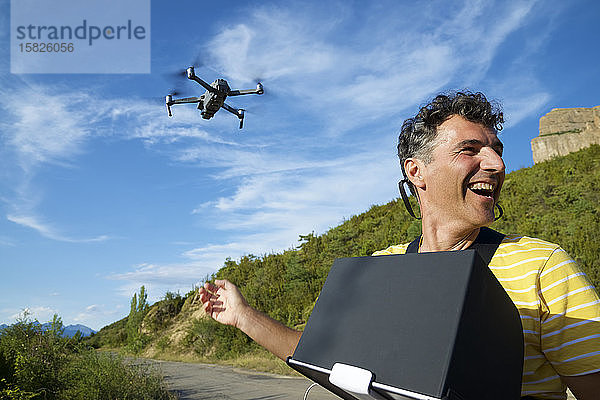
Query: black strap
pixel 413 247
pixel 486 244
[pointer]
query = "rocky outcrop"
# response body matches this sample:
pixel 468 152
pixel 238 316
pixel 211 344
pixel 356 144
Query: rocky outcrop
pixel 565 130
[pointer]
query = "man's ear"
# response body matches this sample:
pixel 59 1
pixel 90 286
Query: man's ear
pixel 413 168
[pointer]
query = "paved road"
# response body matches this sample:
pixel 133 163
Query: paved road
pixel 210 382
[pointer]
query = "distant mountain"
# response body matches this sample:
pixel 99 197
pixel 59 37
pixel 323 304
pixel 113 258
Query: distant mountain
pixel 69 331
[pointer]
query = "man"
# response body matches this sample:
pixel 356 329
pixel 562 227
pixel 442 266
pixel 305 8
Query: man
pixel 451 158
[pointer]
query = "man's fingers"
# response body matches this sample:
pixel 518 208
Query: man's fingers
pixel 207 296
pixel 210 287
pixel 223 283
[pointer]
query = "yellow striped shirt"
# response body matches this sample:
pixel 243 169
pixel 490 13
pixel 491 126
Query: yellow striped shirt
pixel 559 308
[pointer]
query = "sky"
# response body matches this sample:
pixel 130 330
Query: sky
pixel 101 192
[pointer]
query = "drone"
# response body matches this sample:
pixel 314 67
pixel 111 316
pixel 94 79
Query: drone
pixel 214 98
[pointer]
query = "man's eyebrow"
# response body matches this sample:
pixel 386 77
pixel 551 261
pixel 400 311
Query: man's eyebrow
pixel 474 142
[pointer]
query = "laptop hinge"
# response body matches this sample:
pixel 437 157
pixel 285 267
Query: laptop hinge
pixel 350 378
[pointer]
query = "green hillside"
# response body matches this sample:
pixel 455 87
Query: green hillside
pixel 557 200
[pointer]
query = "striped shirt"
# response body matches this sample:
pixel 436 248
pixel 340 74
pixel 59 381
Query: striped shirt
pixel 559 309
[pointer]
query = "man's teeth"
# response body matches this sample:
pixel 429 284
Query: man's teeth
pixel 482 186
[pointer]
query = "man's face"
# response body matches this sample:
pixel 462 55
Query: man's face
pixel 464 178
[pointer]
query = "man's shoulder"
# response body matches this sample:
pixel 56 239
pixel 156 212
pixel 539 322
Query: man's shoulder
pixel 521 243
pixel 520 254
pixel 395 249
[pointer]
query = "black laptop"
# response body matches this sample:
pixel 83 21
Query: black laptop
pixel 425 326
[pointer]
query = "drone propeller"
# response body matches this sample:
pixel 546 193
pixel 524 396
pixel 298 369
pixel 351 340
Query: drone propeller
pixel 178 88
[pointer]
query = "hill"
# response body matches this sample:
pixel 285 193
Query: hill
pixel 71 330
pixel 556 200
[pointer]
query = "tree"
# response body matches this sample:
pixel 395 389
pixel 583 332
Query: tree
pixel 136 340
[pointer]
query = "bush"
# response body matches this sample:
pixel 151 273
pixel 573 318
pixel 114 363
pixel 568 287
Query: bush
pixel 32 358
pixel 37 363
pixel 213 340
pixel 112 336
pixel 105 376
pixel 163 311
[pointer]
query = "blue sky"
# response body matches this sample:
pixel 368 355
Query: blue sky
pixel 101 192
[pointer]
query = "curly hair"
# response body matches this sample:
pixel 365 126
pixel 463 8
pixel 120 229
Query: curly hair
pixel 417 137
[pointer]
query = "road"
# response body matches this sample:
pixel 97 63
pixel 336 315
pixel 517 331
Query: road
pixel 212 382
pixel 193 381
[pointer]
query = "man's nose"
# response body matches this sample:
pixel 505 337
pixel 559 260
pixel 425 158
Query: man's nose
pixel 492 161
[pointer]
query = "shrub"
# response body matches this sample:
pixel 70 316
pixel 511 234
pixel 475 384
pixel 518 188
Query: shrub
pixel 210 339
pixel 37 363
pixel 106 376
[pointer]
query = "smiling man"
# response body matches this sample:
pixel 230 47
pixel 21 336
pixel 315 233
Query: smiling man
pixel 451 159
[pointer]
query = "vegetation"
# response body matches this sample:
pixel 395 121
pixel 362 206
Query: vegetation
pixel 136 339
pixel 37 363
pixel 164 311
pixel 557 200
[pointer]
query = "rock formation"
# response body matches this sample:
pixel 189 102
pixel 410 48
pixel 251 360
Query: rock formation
pixel 565 130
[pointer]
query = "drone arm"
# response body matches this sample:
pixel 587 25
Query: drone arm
pixel 259 90
pixel 187 100
pixel 204 84
pixel 238 113
pixel 169 102
pixel 192 76
pixel 232 110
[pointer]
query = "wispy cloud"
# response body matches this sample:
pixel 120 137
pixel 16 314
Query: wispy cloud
pixel 304 54
pixel 161 278
pixel 96 315
pixel 50 232
pixel 39 313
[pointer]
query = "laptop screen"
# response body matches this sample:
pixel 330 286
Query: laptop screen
pixel 418 323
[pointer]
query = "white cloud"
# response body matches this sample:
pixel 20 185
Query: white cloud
pixel 40 313
pixel 303 54
pixel 49 232
pixel 96 315
pixel 49 129
pixel 521 107
pixel 160 278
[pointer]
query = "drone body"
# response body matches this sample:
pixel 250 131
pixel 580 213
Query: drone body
pixel 214 98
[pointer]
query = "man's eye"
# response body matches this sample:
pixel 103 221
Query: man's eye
pixel 470 150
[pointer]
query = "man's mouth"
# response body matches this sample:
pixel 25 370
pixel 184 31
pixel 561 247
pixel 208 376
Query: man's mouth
pixel 482 189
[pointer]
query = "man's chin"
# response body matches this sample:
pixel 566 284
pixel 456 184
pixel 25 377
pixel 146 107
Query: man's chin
pixel 485 218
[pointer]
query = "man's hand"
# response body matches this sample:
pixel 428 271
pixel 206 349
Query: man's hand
pixel 223 302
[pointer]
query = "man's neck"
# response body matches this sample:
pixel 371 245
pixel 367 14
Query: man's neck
pixel 439 237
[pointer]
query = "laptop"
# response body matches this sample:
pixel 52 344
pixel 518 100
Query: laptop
pixel 425 326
